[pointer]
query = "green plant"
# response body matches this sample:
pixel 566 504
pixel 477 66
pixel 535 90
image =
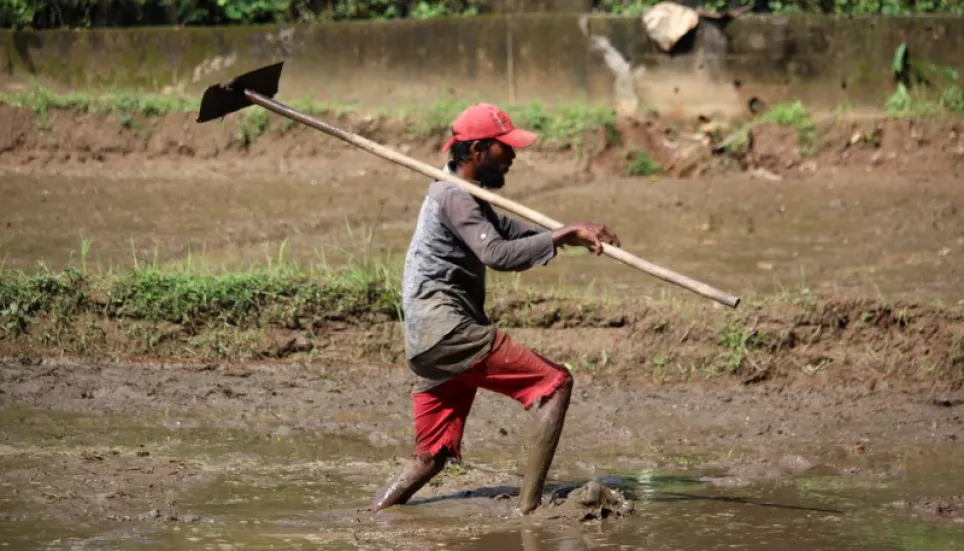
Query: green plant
pixel 793 114
pixel 254 123
pixel 903 102
pixel 641 164
pixel 738 341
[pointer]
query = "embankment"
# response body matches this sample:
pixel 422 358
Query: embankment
pixel 549 57
pixel 57 132
pixel 352 316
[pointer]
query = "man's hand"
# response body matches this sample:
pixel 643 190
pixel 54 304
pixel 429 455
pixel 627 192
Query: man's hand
pixel 587 234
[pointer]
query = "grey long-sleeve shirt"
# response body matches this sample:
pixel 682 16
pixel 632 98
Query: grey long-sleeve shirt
pixel 443 286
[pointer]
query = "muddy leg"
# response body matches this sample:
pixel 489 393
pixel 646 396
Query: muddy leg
pixel 549 421
pixel 417 473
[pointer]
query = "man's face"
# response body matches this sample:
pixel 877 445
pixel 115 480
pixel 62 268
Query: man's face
pixel 493 164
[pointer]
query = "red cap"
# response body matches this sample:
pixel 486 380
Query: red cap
pixel 485 121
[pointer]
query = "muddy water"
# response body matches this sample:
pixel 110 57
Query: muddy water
pixel 873 233
pixel 67 486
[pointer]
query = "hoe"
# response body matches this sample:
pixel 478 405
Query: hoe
pixel 260 86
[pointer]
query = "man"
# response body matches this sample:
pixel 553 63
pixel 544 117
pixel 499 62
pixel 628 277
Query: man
pixel 451 346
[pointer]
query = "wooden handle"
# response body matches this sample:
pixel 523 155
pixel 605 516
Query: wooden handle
pixel 497 200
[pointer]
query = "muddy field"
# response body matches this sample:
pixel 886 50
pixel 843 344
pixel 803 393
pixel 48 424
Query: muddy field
pixel 215 455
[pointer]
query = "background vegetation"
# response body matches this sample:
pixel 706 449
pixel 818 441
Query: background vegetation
pixel 49 14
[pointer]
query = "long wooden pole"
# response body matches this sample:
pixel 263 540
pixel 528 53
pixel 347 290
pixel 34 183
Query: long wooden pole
pixel 497 200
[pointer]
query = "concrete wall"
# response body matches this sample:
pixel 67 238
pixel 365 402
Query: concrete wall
pixel 502 58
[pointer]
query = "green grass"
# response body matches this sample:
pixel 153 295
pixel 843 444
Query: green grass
pixel 186 311
pixel 641 164
pixel 273 294
pixel 796 115
pixel 792 114
pixel 904 103
pixel 559 126
pixel 41 100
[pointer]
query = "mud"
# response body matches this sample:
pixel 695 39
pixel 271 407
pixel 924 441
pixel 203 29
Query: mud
pixel 850 404
pixel 940 509
pixel 97 448
pixel 591 501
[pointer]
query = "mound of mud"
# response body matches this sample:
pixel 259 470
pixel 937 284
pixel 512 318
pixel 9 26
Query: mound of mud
pixel 949 508
pixel 592 501
pixel 936 509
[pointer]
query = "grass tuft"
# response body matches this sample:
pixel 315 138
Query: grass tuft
pixel 559 126
pixel 248 299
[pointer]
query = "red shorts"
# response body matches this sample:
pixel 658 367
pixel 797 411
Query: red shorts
pixel 510 369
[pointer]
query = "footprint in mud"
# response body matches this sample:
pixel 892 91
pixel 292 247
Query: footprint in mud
pixel 156 515
pixel 947 509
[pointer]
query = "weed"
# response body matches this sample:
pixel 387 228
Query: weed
pixel 737 341
pixel 793 114
pixel 952 99
pixel 254 123
pixel 903 103
pixel 641 164
pixel 561 126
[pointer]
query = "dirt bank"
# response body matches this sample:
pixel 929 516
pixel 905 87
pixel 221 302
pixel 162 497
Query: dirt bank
pixel 70 140
pixel 849 342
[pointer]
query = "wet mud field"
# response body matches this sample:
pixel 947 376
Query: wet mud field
pixel 117 455
pixel 289 456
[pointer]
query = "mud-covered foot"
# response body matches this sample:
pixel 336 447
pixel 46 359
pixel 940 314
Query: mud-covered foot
pixel 417 472
pixel 525 508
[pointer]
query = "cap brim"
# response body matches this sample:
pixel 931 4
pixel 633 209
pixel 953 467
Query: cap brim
pixel 518 139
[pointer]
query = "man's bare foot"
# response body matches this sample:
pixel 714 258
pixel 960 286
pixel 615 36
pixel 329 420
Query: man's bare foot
pixel 417 472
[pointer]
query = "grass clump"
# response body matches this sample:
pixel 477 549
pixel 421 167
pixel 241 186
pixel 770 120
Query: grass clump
pixel 123 105
pixel 563 125
pixel 793 114
pixel 796 115
pixel 641 164
pixel 244 299
pixel 560 126
pixel 905 102
pixel 253 124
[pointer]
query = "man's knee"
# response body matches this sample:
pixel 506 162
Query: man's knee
pixel 564 385
pixel 567 382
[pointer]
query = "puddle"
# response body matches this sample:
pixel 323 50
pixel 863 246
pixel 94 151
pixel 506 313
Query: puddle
pixel 310 510
pixel 184 436
pixel 168 482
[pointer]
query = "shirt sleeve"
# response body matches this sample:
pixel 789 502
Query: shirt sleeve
pixel 503 252
pixel 510 228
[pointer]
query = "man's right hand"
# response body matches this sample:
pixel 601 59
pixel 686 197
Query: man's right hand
pixel 587 234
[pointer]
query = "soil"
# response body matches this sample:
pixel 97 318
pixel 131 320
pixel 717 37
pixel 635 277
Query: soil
pixel 858 376
pixel 75 141
pixel 742 433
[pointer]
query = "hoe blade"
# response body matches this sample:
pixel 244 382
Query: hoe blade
pixel 223 99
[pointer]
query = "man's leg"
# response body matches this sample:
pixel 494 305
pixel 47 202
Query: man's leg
pixel 550 419
pixel 513 370
pixel 440 415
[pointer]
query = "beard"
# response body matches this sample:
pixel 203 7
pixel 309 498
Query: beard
pixel 491 176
